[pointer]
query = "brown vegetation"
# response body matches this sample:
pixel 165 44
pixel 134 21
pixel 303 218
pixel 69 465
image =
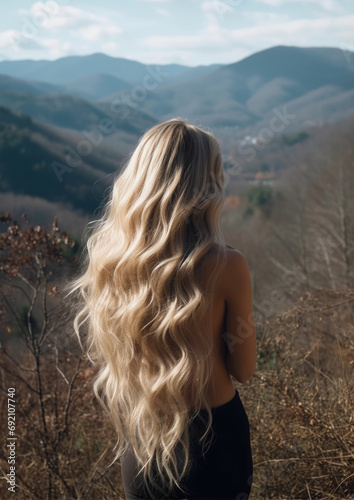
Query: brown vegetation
pixel 299 402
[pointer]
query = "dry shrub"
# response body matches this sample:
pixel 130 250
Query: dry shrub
pixel 62 436
pixel 300 401
pixel 66 457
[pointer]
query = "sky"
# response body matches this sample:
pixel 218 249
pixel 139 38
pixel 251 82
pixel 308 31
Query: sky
pixel 188 32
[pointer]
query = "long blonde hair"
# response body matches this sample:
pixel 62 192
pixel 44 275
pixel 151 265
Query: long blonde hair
pixel 147 316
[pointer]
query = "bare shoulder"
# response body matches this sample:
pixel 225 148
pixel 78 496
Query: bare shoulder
pixel 235 273
pixel 233 256
pixel 231 269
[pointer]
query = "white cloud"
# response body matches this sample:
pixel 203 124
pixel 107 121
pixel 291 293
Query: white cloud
pixel 95 33
pixel 215 44
pixel 214 5
pixel 110 47
pixel 16 41
pixel 52 16
pixel 329 5
pixel 56 48
pixel 215 10
pixel 270 33
pixel 76 25
pixel 175 42
pixel 163 12
pixel 9 38
pixel 272 3
pixel 54 30
pixel 266 17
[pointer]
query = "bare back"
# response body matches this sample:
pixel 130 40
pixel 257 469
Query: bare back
pixel 222 388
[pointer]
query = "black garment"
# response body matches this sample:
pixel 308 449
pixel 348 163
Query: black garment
pixel 225 470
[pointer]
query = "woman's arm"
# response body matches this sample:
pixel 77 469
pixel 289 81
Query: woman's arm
pixel 240 328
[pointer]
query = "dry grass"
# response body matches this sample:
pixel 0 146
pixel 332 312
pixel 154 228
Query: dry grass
pixel 299 403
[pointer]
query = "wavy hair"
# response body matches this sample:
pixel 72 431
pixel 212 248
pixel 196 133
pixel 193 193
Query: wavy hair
pixel 148 313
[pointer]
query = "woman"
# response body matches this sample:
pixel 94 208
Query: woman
pixel 168 309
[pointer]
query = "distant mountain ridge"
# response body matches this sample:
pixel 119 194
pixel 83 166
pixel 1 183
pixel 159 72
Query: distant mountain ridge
pixel 244 93
pixel 43 167
pixel 314 84
pixel 68 69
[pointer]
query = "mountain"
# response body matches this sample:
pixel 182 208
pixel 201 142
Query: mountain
pixel 95 86
pixel 91 88
pixel 310 67
pixel 245 93
pixel 68 69
pixel 45 169
pixel 75 113
pixel 307 85
pixel 28 150
pixel 32 87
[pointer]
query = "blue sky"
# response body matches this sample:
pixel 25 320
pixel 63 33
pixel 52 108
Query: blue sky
pixel 188 32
